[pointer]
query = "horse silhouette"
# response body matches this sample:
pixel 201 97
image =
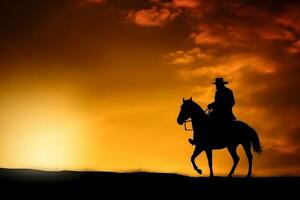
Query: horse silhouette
pixel 209 136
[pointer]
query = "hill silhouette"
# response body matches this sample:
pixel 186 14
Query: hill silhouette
pixel 34 183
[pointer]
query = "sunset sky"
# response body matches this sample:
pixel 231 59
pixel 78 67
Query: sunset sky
pixel 98 84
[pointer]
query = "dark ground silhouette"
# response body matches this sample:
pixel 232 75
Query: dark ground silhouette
pixel 41 184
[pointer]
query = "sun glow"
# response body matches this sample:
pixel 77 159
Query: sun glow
pixel 47 129
pixel 47 142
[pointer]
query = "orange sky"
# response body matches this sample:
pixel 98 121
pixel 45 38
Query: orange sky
pixel 97 84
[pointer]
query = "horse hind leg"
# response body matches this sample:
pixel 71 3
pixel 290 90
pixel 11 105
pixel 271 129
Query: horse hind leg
pixel 235 157
pixel 247 148
pixel 197 151
pixel 209 159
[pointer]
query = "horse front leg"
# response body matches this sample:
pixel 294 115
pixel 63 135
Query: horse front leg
pixel 209 159
pixel 197 151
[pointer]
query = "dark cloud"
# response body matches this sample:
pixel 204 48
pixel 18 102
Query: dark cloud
pixel 19 18
pixel 294 137
pixel 281 163
pixel 67 40
pixel 279 160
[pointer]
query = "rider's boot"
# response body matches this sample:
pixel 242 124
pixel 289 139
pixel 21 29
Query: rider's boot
pixel 192 141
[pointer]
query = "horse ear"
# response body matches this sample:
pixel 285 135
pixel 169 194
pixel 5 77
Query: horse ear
pixel 183 100
pixel 191 99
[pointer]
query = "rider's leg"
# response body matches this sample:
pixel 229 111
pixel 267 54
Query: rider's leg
pixel 195 138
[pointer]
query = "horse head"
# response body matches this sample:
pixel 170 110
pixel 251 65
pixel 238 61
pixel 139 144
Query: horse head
pixel 185 111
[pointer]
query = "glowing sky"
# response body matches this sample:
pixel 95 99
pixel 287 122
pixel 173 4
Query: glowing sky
pixel 97 84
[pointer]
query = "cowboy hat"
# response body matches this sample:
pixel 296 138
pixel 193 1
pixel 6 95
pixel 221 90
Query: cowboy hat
pixel 220 81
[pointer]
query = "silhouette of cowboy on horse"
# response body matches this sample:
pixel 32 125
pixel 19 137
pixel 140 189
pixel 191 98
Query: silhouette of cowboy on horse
pixel 220 111
pixel 218 129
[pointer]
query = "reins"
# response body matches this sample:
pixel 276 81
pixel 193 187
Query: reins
pixel 187 129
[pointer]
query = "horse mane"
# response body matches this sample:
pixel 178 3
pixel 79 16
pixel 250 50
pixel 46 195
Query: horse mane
pixel 198 108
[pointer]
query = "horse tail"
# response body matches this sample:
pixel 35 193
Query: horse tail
pixel 255 141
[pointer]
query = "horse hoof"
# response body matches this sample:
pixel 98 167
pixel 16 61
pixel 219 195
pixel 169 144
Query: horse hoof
pixel 199 171
pixel 248 176
pixel 229 176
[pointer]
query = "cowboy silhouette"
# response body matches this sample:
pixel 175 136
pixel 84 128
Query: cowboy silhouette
pixel 224 101
pixel 221 109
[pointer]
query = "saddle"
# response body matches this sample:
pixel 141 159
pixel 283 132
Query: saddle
pixel 219 129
